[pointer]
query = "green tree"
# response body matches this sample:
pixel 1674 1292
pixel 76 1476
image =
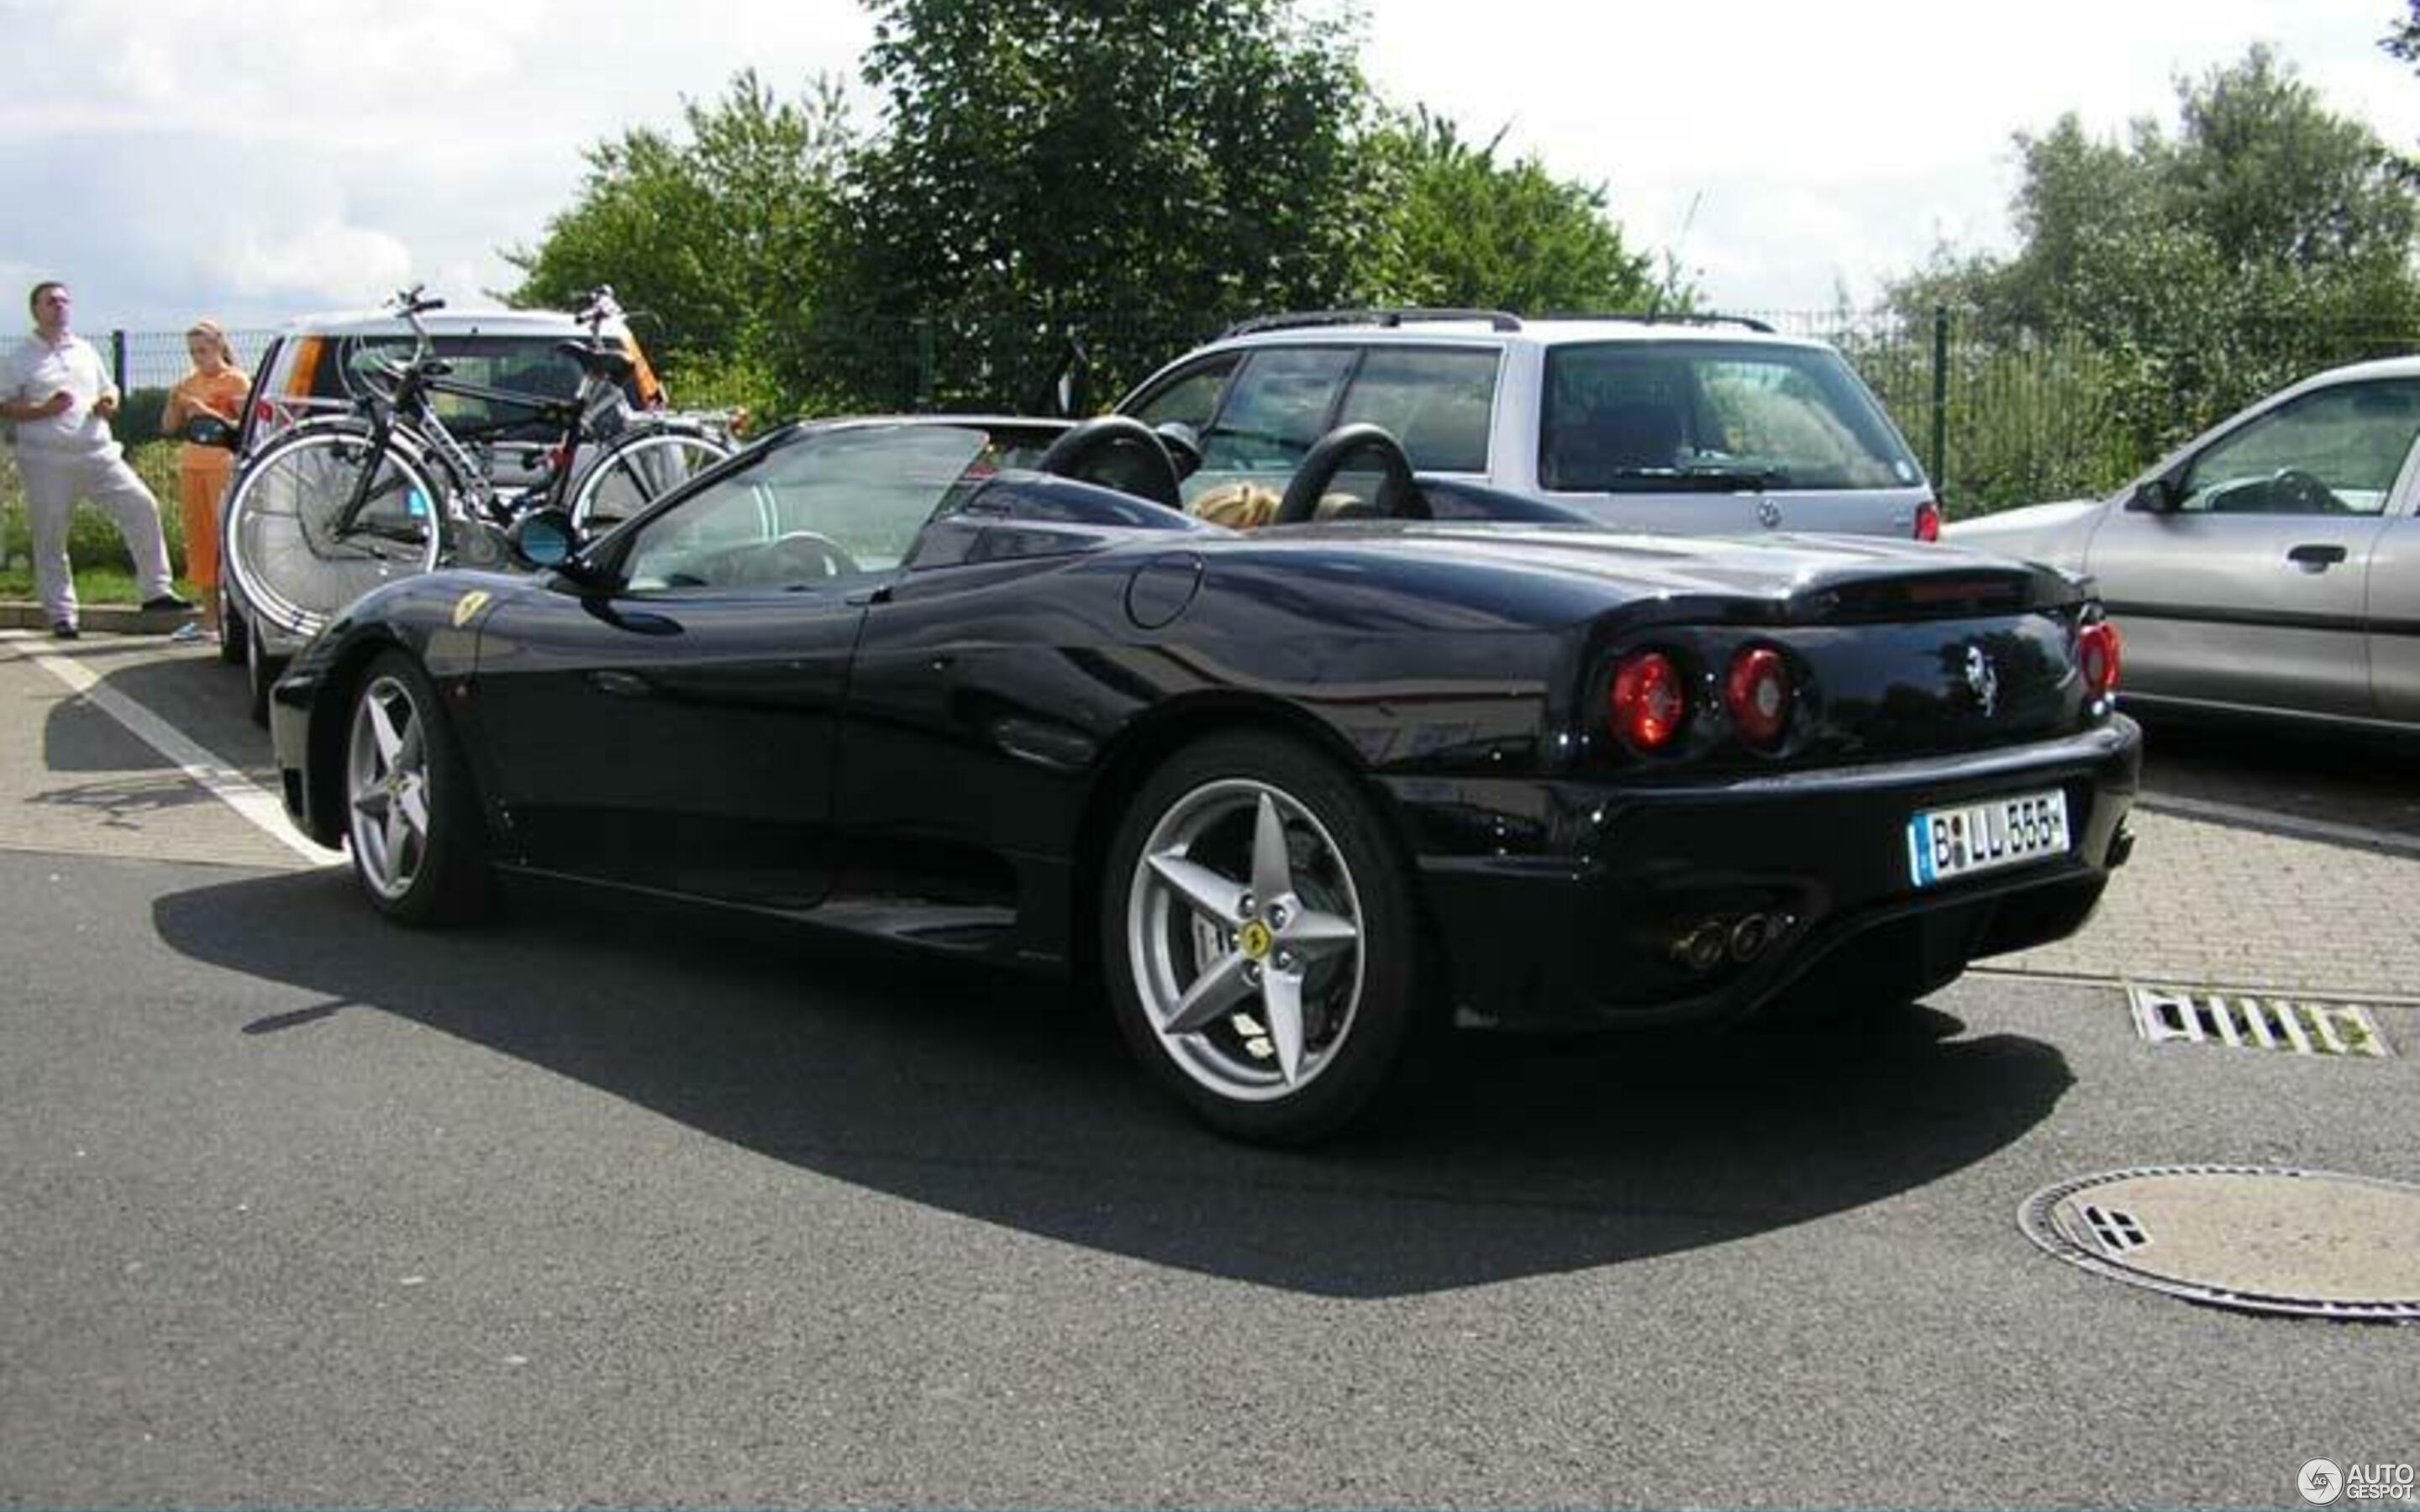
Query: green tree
pixel 714 233
pixel 1131 169
pixel 1467 230
pixel 2259 240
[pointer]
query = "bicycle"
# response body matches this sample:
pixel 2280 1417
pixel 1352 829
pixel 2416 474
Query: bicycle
pixel 334 507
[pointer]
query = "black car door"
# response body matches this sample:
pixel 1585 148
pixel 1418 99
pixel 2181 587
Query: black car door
pixel 673 723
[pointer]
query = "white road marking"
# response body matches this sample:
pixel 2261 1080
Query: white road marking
pixel 238 791
pixel 2275 823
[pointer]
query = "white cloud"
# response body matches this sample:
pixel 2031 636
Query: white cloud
pixel 175 155
pixel 327 263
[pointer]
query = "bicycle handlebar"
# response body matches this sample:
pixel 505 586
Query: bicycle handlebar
pixel 597 307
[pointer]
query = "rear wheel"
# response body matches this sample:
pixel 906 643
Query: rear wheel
pixel 418 846
pixel 637 469
pixel 297 558
pixel 1258 940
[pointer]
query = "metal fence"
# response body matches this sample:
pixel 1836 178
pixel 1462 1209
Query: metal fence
pixel 2000 417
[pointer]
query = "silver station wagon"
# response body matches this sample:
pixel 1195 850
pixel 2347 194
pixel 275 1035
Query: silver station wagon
pixel 1692 425
pixel 2270 566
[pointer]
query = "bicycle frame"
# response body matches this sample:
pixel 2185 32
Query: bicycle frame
pixel 410 412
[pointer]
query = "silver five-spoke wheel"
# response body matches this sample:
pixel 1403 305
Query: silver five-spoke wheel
pixel 1244 934
pixel 1259 938
pixel 386 787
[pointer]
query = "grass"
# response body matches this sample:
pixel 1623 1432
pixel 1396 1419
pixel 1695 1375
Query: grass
pixel 94 585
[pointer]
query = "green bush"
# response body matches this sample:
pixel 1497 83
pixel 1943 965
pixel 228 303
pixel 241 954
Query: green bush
pixel 93 541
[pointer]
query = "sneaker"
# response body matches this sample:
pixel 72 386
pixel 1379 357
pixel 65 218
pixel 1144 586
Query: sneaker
pixel 169 603
pixel 190 633
pixel 65 630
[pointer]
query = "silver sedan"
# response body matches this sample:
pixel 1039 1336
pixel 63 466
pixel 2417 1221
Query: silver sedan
pixel 2270 566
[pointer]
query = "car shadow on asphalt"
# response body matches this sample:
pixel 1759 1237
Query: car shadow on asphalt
pixel 1010 1101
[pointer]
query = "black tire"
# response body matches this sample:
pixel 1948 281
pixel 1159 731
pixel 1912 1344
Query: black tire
pixel 634 470
pixel 260 671
pixel 1363 1010
pixel 295 568
pixel 438 874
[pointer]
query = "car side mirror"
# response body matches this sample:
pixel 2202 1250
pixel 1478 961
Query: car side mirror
pixel 543 538
pixel 2157 496
pixel 210 430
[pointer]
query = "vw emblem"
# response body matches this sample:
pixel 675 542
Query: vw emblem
pixel 1768 512
pixel 1982 678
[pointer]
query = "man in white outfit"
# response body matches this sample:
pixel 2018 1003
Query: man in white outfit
pixel 54 386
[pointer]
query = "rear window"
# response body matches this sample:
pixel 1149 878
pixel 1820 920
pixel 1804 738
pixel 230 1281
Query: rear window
pixel 1636 417
pixel 518 365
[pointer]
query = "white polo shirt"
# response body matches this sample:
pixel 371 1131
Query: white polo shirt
pixel 33 370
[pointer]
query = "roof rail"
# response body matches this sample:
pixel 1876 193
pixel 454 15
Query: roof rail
pixel 1685 317
pixel 1497 320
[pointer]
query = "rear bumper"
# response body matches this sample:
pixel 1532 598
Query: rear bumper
pixel 1572 916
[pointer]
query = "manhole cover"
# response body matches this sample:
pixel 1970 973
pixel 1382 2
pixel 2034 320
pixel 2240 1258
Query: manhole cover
pixel 2262 1239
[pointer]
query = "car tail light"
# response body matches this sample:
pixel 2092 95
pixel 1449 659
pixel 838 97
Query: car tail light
pixel 2101 651
pixel 1650 701
pixel 1928 520
pixel 1757 693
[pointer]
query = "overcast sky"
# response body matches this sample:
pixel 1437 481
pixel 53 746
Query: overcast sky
pixel 268 157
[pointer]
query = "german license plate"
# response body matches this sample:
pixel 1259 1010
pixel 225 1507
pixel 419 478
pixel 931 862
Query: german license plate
pixel 1943 843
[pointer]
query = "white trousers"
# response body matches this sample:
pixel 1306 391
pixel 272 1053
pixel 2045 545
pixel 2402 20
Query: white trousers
pixel 54 480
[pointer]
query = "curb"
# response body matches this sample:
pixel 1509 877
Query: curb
pixel 120 619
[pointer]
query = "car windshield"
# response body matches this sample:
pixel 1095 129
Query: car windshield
pixel 1650 417
pixel 825 504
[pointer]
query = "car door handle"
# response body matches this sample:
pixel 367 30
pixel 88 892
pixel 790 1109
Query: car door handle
pixel 619 684
pixel 2316 558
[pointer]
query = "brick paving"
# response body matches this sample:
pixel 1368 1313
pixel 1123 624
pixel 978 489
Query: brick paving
pixel 2214 904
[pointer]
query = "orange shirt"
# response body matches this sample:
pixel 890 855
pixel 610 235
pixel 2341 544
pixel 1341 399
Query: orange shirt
pixel 222 395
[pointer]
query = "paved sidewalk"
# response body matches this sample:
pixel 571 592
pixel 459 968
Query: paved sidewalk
pixel 121 619
pixel 2213 905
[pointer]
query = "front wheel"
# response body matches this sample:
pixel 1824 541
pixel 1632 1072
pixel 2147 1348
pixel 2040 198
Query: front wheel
pixel 419 848
pixel 299 547
pixel 634 471
pixel 1259 941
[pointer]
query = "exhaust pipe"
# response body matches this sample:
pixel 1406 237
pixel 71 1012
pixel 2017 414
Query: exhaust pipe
pixel 1736 939
pixel 1752 935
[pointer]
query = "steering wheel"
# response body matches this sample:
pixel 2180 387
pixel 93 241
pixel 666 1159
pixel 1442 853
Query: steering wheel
pixel 1080 448
pixel 1399 496
pixel 2292 490
pixel 800 557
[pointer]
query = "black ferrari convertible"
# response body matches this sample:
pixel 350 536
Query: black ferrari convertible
pixel 1387 755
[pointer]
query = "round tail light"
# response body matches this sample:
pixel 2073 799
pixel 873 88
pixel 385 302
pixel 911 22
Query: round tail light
pixel 1650 701
pixel 1928 520
pixel 1757 693
pixel 2101 652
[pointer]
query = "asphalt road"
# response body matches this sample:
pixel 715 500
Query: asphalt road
pixel 597 1205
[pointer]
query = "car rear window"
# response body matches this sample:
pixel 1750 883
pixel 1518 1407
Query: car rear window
pixel 520 365
pixel 1636 417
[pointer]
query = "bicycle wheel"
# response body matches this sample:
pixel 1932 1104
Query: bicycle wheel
pixel 634 471
pixel 297 567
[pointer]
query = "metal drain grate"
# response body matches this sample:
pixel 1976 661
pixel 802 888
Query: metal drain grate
pixel 2254 1021
pixel 2119 1232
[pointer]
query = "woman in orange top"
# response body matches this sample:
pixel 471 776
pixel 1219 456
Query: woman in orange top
pixel 215 387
